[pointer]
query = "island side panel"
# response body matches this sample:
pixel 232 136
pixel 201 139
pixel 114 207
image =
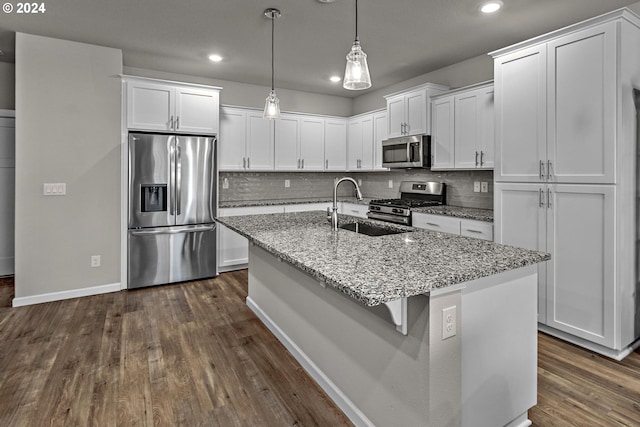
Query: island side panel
pixel 499 348
pixel 375 374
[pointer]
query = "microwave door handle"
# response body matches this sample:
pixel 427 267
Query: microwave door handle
pixel 409 159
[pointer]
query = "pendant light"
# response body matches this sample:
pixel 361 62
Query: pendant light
pixel 356 73
pixel 272 104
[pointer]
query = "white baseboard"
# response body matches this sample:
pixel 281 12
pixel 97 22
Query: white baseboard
pixel 233 267
pixel 339 398
pixel 62 295
pixel 596 348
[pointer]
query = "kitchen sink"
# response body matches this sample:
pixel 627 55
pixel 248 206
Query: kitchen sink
pixel 370 230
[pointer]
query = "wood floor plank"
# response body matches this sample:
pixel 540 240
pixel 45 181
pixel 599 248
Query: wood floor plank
pixel 193 354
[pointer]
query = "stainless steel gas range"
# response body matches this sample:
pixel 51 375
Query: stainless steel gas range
pixel 413 194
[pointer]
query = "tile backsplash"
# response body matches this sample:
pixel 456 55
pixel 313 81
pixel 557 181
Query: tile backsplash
pixel 260 186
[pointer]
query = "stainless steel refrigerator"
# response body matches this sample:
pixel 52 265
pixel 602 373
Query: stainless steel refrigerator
pixel 172 206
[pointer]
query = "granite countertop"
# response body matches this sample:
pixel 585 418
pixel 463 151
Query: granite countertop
pixel 454 211
pixel 375 270
pixel 458 212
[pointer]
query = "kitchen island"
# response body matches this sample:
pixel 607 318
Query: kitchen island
pixel 410 329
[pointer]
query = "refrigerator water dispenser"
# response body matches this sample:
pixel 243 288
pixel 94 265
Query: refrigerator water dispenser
pixel 153 197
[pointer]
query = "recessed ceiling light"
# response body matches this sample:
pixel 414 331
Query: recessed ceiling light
pixel 215 58
pixel 491 6
pixel 335 79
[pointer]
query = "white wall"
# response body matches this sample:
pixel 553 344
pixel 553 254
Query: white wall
pixel 68 103
pixel 7 85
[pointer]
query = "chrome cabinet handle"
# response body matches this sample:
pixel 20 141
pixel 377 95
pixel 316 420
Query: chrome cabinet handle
pixel 177 122
pixel 326 164
pixel 548 170
pixel 433 224
pixel 541 170
pixel 476 159
pixel 172 179
pixel 171 123
pixel 481 157
pixel 541 198
pixel 302 164
pixel 474 231
pixel 548 198
pixel 244 163
pixel 298 163
pixel 248 162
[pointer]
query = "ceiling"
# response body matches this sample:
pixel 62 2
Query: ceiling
pixel 403 38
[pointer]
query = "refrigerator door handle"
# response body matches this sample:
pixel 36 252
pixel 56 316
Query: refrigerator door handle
pixel 178 179
pixel 172 179
pixel 173 230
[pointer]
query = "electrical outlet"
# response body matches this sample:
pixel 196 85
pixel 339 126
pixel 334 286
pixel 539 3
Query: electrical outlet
pixel 476 186
pixel 287 183
pixel 484 187
pixel 359 182
pixel 95 260
pixel 225 184
pixel 449 322
pixel 390 183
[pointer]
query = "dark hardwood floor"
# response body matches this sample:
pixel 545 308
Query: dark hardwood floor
pixel 194 354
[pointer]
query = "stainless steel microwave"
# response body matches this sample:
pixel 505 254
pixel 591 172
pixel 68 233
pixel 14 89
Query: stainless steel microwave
pixel 407 152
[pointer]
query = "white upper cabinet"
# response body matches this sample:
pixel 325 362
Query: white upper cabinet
pixel 287 150
pixel 360 143
pixel 380 133
pixel 556 109
pixel 245 141
pixel 442 138
pixel 463 128
pixel 312 142
pixel 300 143
pixel 409 112
pixel 166 107
pixel 335 151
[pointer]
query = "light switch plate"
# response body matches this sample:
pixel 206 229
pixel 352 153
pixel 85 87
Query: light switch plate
pixel 484 187
pixel 54 189
pixel 476 186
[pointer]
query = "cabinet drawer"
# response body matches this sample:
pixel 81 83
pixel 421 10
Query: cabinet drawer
pixel 440 223
pixel 476 229
pixel 354 209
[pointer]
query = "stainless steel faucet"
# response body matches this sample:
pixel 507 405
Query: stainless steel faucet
pixel 332 215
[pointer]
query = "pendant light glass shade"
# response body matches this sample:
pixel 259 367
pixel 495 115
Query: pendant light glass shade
pixel 356 73
pixel 272 106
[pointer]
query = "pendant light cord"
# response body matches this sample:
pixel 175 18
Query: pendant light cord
pixel 357 39
pixel 273 18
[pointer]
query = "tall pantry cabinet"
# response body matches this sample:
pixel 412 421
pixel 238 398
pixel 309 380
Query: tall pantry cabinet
pixel 565 174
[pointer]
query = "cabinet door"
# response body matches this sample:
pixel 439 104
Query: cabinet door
pixel 233 138
pixel 335 140
pixel 287 155
pixel 259 142
pixel 521 111
pixel 443 131
pixel 196 111
pixel 150 106
pixel 366 159
pixel 7 195
pixel 582 106
pixel 354 144
pixel 416 112
pixel 520 217
pixel 581 282
pixel 380 133
pixel 312 143
pixel 233 249
pixel 395 110
pixel 466 131
pixel 486 137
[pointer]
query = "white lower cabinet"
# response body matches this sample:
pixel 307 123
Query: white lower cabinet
pixel 576 225
pixel 452 225
pixel 233 249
